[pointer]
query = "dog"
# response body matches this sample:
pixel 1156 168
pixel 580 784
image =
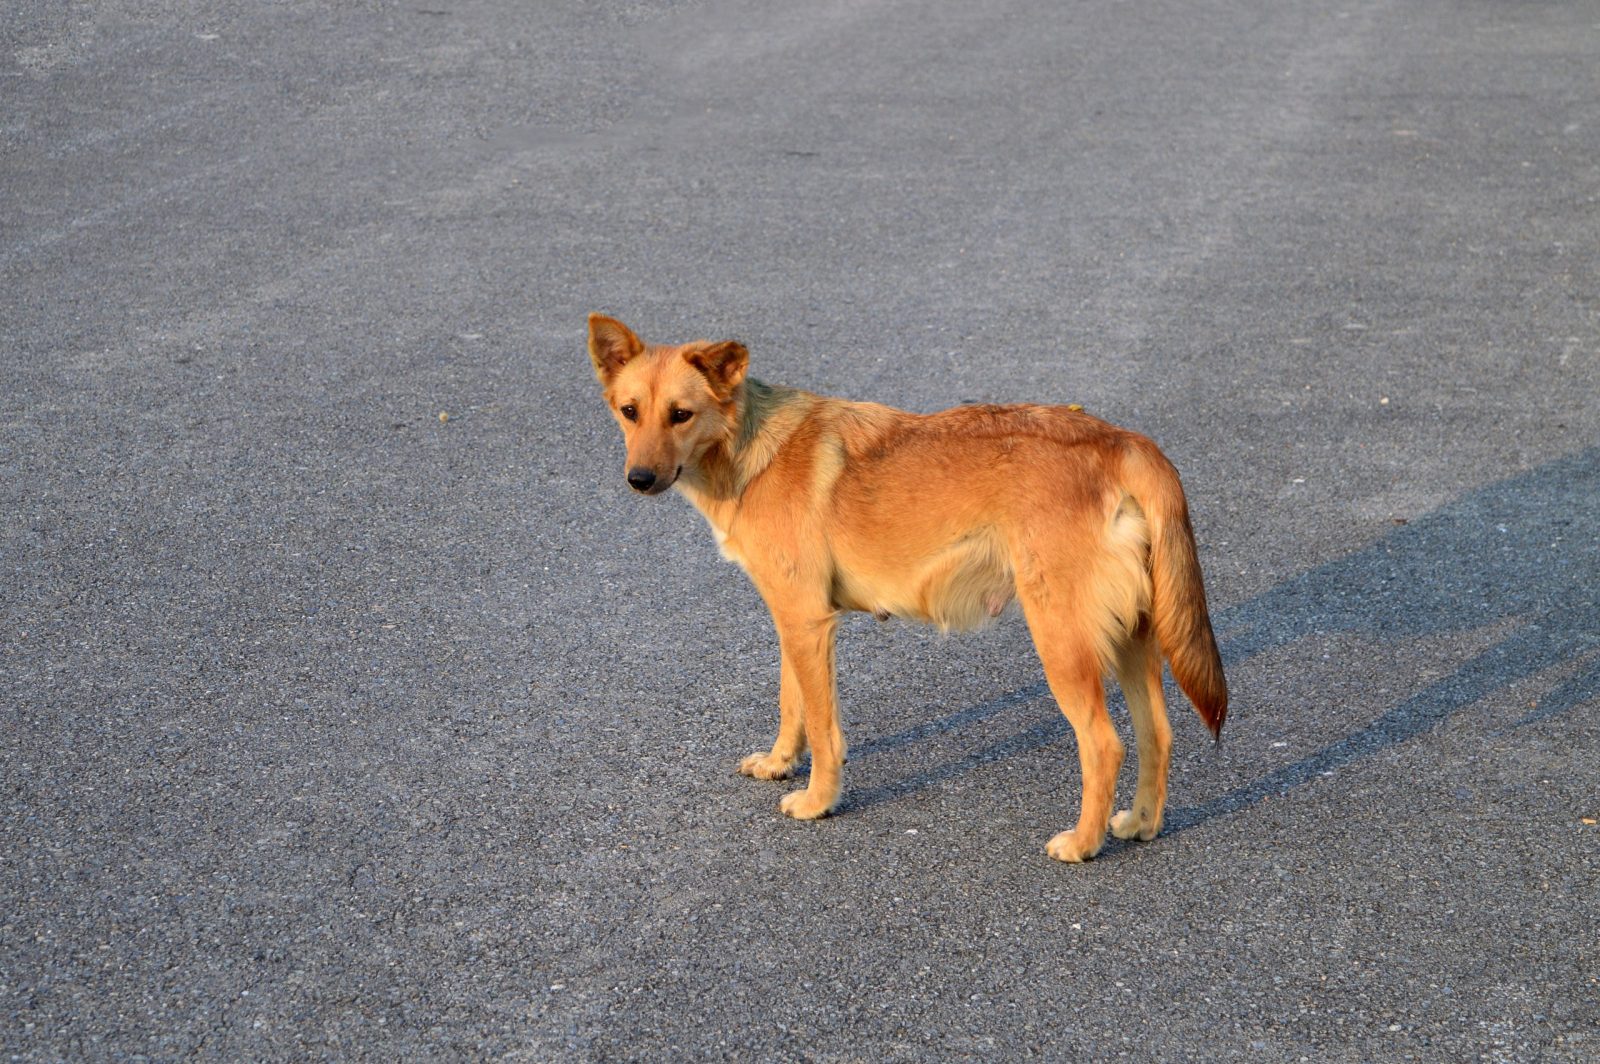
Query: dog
pixel 833 506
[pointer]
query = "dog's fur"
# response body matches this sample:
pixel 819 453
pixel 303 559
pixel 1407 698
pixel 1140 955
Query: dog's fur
pixel 831 506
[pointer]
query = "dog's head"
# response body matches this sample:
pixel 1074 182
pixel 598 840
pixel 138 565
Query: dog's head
pixel 673 403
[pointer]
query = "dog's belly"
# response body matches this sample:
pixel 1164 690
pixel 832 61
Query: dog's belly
pixel 959 585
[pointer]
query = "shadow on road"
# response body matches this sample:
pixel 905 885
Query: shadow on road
pixel 1523 552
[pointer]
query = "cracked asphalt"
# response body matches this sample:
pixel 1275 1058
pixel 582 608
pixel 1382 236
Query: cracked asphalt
pixel 354 709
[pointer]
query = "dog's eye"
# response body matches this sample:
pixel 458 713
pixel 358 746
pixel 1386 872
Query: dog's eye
pixel 680 416
pixel 630 412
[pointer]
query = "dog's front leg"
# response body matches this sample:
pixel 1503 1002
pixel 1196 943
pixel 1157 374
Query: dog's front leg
pixel 778 764
pixel 806 641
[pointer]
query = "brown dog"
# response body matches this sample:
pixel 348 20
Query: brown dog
pixel 831 505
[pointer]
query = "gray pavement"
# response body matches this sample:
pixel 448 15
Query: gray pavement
pixel 352 707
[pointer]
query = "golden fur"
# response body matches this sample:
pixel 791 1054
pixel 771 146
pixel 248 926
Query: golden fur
pixel 832 505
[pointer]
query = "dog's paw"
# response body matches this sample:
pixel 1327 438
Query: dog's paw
pixel 1129 824
pixel 1070 847
pixel 766 767
pixel 804 805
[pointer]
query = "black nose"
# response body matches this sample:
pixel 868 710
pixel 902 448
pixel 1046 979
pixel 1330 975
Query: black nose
pixel 641 479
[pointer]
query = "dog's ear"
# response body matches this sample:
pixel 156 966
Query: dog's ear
pixel 723 364
pixel 612 345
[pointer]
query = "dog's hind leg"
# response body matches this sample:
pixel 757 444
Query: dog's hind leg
pixel 779 762
pixel 807 642
pixel 1138 664
pixel 1072 666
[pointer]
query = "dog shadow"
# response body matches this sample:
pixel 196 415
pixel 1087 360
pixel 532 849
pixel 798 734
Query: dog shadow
pixel 1521 555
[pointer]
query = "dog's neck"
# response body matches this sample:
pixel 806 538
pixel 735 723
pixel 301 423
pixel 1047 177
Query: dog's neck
pixel 764 417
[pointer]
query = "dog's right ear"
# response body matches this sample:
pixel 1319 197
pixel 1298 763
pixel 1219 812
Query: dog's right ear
pixel 612 345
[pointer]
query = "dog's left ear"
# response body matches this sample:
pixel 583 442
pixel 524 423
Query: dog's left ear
pixel 612 345
pixel 724 364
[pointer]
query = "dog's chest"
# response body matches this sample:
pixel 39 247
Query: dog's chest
pixel 727 546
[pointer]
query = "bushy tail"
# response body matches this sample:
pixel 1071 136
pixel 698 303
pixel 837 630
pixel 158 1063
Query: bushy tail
pixel 1178 598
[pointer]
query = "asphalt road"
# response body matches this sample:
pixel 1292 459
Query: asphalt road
pixel 353 708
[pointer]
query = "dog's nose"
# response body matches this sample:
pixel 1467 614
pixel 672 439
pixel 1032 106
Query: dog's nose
pixel 641 479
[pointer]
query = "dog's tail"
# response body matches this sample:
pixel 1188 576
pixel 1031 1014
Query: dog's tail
pixel 1178 598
